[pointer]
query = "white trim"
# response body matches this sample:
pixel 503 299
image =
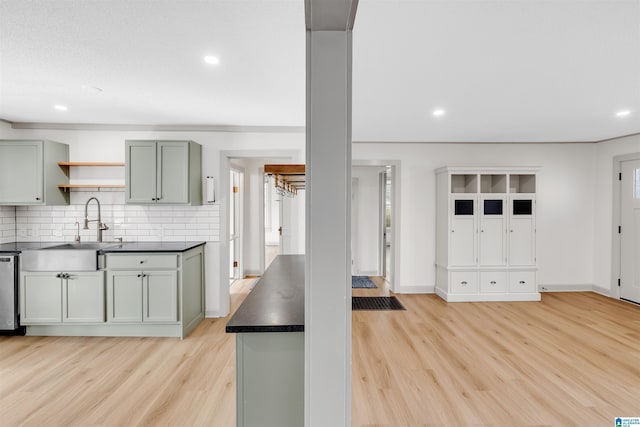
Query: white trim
pixel 616 221
pixel 416 289
pixel 565 288
pixel 156 128
pixel 489 297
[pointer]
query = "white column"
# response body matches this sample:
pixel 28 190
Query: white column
pixel 328 230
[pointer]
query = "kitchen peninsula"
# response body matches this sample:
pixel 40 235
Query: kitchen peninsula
pixel 269 328
pixel 131 289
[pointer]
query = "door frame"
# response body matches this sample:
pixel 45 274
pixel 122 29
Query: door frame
pixel 226 157
pixel 241 200
pixel 395 273
pixel 616 257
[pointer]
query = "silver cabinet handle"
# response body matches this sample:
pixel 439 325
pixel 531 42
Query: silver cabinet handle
pixel 493 282
pixel 464 282
pixel 522 282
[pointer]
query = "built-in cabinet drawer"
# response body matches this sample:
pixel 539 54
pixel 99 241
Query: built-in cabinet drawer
pixel 142 261
pixel 463 282
pixel 493 281
pixel 522 281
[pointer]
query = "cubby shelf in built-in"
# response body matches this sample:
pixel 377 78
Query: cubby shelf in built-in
pixel 68 165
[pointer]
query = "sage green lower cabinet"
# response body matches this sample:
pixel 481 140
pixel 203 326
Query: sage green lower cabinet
pixel 142 296
pixel 83 297
pixel 40 298
pixel 48 298
pixel 155 294
pixel 124 296
pixel 137 294
pixel 160 296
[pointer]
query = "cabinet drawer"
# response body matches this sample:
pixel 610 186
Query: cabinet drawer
pixel 493 281
pixel 463 282
pixel 522 281
pixel 142 261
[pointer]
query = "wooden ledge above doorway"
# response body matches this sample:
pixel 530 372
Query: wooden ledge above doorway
pixel 287 175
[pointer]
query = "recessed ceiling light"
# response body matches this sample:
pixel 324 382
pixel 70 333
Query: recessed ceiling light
pixel 213 60
pixel 439 112
pixel 60 107
pixel 623 113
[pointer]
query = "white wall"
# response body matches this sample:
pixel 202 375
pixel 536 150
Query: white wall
pixel 86 145
pixel 565 214
pixel 367 221
pixel 604 224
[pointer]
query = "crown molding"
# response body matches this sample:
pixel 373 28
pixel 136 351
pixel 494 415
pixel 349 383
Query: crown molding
pixel 157 128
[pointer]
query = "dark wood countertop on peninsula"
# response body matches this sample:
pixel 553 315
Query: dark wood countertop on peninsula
pixel 276 303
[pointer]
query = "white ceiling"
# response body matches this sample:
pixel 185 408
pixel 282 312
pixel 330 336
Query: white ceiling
pixel 504 70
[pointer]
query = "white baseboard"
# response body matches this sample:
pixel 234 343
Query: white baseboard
pixel 214 314
pixel 366 273
pixel 488 297
pixel 565 288
pixel 602 291
pixel 415 289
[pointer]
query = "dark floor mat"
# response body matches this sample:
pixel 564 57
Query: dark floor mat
pixel 375 303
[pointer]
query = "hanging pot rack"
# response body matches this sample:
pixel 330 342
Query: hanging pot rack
pixel 288 179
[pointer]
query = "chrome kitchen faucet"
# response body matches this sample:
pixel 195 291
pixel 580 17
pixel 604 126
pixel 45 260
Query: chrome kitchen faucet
pixel 101 226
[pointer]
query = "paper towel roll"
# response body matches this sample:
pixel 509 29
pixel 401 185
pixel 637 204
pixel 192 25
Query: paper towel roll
pixel 211 189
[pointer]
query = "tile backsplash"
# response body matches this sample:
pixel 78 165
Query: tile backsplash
pixel 132 223
pixel 7 224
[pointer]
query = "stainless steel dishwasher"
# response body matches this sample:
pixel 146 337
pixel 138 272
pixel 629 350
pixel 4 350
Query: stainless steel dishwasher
pixel 9 301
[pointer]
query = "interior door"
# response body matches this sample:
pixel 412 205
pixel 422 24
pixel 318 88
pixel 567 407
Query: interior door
pixel 630 231
pixel 286 235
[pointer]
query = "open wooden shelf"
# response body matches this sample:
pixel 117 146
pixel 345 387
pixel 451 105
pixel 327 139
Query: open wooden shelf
pixel 67 187
pixel 91 163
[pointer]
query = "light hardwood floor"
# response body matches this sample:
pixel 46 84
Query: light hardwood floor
pixel 571 360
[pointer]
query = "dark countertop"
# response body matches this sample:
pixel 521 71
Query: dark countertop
pixel 118 247
pixel 276 303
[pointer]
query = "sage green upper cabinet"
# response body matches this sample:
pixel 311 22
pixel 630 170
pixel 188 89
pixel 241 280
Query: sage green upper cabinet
pixel 30 174
pixel 163 172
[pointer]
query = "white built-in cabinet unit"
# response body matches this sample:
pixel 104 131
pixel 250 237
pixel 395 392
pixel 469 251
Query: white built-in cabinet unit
pixel 163 172
pixel 486 234
pixel 30 174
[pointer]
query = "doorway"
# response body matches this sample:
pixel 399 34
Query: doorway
pixel 251 260
pixel 272 222
pixel 372 219
pixel 630 230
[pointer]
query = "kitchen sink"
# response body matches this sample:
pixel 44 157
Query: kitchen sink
pixel 68 257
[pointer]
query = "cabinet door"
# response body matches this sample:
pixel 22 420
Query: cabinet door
pixel 522 242
pixel 40 298
pixel 493 227
pixel 124 296
pixel 160 296
pixel 140 172
pixel 83 297
pixel 21 167
pixel 172 172
pixel 462 251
